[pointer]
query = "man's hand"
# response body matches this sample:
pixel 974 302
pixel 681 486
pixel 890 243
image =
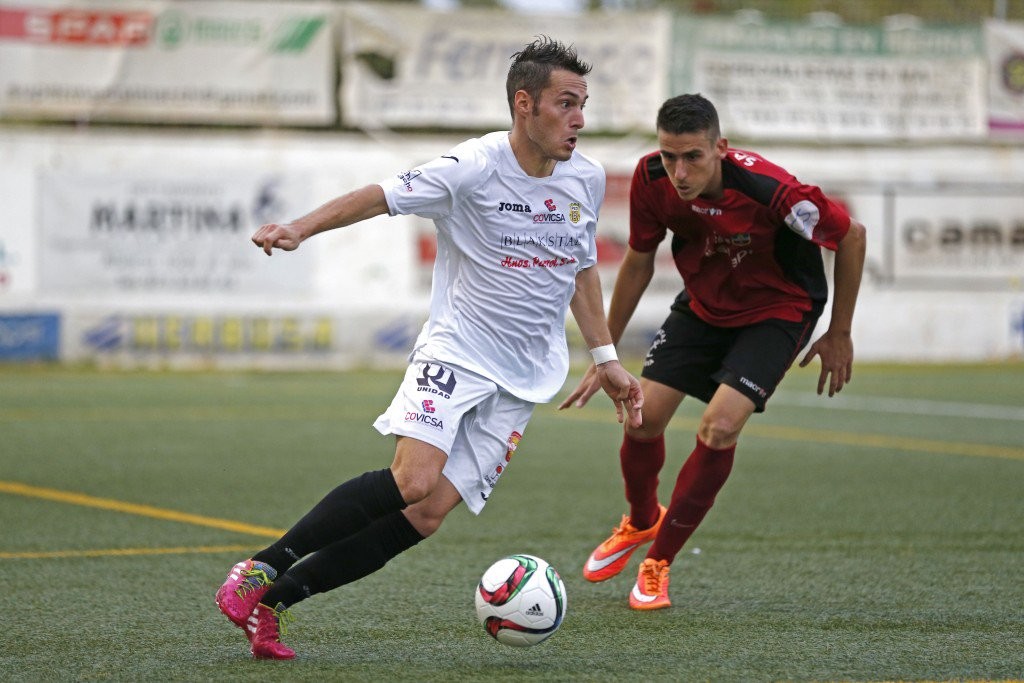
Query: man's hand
pixel 283 236
pixel 587 387
pixel 836 352
pixel 621 387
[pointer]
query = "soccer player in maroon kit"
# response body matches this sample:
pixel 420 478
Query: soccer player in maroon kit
pixel 746 238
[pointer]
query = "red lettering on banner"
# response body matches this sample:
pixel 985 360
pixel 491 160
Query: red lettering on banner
pixel 76 27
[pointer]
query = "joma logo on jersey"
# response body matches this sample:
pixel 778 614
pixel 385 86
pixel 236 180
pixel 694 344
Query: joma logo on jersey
pixel 515 207
pixel 436 379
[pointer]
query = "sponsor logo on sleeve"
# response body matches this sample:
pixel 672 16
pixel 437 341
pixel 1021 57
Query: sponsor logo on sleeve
pixel 803 218
pixel 407 178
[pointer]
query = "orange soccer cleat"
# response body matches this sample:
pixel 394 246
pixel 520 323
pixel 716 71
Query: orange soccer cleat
pixel 651 588
pixel 609 558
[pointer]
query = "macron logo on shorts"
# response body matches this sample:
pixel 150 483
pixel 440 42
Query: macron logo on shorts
pixel 758 390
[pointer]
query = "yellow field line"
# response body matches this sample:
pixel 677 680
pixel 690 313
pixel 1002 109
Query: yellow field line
pixel 880 441
pixel 135 509
pixel 886 441
pixel 865 440
pixel 124 552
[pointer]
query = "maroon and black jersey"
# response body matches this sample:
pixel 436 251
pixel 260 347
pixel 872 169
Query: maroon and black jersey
pixel 751 255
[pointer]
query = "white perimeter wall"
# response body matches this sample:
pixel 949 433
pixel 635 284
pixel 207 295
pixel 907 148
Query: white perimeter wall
pixel 371 278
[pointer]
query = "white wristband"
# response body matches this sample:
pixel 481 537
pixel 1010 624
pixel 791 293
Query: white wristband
pixel 603 354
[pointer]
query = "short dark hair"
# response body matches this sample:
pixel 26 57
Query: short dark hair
pixel 532 66
pixel 689 114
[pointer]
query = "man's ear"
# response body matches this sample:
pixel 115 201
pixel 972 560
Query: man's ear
pixel 722 147
pixel 522 103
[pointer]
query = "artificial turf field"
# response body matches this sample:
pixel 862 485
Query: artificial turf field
pixel 877 536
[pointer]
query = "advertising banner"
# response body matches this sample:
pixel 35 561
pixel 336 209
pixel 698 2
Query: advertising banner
pixel 178 234
pixel 961 236
pixel 168 62
pixel 299 337
pixel 405 66
pixel 1005 41
pixel 791 81
pixel 17 236
pixel 189 333
pixel 25 337
pixel 9 260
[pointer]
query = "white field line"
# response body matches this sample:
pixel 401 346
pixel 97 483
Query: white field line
pixel 880 404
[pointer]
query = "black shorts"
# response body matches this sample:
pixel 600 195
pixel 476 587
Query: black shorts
pixel 694 357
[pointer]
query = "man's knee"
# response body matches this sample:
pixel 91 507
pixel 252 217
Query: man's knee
pixel 415 483
pixel 425 521
pixel 723 419
pixel 417 468
pixel 719 431
pixel 427 515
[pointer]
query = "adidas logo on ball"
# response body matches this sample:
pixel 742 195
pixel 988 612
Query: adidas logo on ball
pixel 535 611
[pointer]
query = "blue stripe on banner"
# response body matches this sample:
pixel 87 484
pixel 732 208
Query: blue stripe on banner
pixel 34 336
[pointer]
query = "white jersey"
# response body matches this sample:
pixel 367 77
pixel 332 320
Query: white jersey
pixel 509 247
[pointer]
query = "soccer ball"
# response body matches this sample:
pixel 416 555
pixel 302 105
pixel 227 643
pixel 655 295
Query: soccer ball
pixel 520 600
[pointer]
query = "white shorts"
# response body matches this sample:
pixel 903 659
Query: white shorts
pixel 467 416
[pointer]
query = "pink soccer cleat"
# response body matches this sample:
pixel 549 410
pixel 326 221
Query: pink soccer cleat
pixel 266 624
pixel 245 586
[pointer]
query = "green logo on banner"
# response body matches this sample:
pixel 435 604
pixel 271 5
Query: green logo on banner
pixel 172 28
pixel 295 35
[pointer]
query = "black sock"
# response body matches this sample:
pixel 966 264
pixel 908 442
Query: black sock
pixel 346 561
pixel 342 512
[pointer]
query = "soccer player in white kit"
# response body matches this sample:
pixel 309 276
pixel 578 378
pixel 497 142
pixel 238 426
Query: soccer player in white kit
pixel 516 214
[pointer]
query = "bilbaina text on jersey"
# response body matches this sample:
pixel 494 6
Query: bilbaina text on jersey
pixel 535 262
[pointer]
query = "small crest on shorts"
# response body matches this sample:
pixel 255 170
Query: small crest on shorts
pixel 513 443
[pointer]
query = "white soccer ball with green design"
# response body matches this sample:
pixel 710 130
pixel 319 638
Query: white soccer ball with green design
pixel 521 600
